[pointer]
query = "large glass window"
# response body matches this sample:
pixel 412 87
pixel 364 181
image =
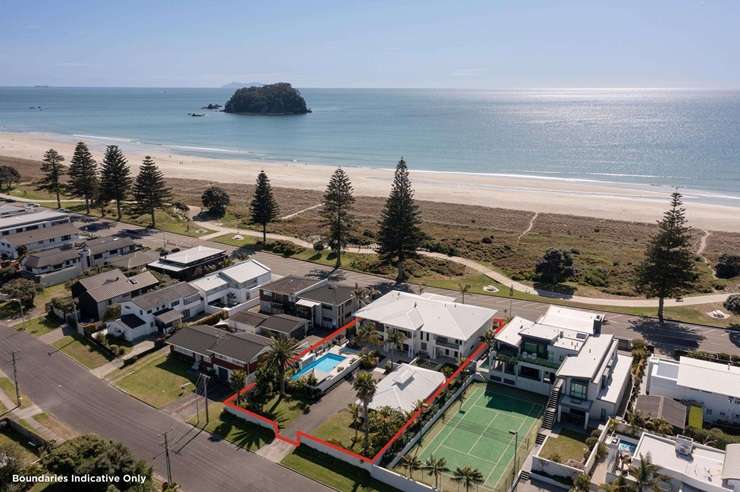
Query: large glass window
pixel 578 390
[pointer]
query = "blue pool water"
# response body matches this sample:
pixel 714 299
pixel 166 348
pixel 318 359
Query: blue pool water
pixel 625 446
pixel 325 363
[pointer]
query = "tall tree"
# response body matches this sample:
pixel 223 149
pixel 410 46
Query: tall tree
pixel 280 356
pixel 215 199
pixel 337 211
pixel 52 170
pixel 83 175
pixel 364 385
pixel 400 236
pixel 646 474
pixel 668 269
pixel 150 191
pixel 263 209
pixel 115 177
pixel 8 176
pixel 468 476
pixel 436 467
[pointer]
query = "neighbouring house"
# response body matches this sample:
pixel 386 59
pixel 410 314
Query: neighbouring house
pixel 274 325
pixel 224 352
pixel 190 263
pixel 39 239
pixel 433 326
pixel 96 294
pixel 663 408
pixel 711 385
pixel 324 304
pixel 564 355
pixel 157 312
pixel 102 250
pixel 21 218
pixel 11 209
pixel 403 388
pixel 136 261
pixel 234 288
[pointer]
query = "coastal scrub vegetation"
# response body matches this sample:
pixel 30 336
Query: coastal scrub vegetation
pixel 270 99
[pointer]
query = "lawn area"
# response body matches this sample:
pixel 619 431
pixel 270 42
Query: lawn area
pixel 283 409
pixel 81 350
pixel 332 472
pixel 39 326
pixel 157 380
pixel 235 430
pixel 338 430
pixel 49 293
pixel 228 239
pixel 568 445
pixel 54 425
pixel 9 436
pixel 8 388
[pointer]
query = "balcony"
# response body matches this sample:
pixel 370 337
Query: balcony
pixel 533 359
pixel 443 342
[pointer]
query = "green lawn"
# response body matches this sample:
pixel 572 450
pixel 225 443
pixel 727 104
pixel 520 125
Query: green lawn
pixel 228 239
pixel 159 381
pixel 566 446
pixel 283 409
pixel 54 425
pixel 8 387
pixel 8 436
pixel 337 430
pixel 332 472
pixel 235 430
pixel 40 326
pixel 81 350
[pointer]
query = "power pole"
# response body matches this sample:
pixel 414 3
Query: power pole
pixel 15 378
pixel 205 395
pixel 168 466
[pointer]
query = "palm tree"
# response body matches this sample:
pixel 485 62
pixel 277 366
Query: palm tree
pixel 468 476
pixel 280 356
pixel 395 338
pixel 464 288
pixel 364 386
pixel 367 359
pixel 618 485
pixel 646 474
pixel 411 463
pixel 238 378
pixel 354 411
pixel 436 467
pixel 582 483
pixel 366 334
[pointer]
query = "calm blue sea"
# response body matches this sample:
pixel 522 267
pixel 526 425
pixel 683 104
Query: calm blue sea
pixel 676 137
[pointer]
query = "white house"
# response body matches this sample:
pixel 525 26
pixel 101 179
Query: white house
pixel 234 288
pixel 712 385
pixel 20 218
pixel 38 239
pixel 190 263
pixel 158 311
pixel 432 325
pixel 563 355
pixel 404 387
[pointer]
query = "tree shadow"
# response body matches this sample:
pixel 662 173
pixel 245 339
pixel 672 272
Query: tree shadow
pixel 669 337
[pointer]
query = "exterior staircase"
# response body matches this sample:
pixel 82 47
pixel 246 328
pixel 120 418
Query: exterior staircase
pixel 524 475
pixel 551 410
pixel 540 438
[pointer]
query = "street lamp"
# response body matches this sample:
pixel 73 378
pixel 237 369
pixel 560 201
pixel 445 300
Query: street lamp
pixel 516 445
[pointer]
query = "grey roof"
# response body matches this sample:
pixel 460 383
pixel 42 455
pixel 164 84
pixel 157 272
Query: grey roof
pixel 42 234
pixel 664 408
pixel 249 318
pixel 283 323
pixel 54 256
pixel 110 243
pixel 329 294
pixel 240 346
pixel 290 285
pixel 114 283
pixel 199 338
pixel 132 321
pixel 156 298
pixel 137 259
pixel 169 316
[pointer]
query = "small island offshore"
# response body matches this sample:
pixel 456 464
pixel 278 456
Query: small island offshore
pixel 272 99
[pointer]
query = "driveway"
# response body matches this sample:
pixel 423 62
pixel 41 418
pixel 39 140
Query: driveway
pixel 199 463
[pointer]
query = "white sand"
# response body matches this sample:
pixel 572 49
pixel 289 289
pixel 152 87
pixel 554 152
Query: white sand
pixel 600 199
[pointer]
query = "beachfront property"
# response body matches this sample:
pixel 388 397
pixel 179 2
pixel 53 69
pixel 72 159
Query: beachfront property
pixel 157 312
pixel 711 385
pixel 327 366
pixel 564 355
pixel 40 237
pixel 224 352
pixel 98 293
pixel 324 304
pixel 234 288
pixel 405 387
pixel 136 261
pixel 269 325
pixel 432 326
pixel 102 250
pixel 17 217
pixel 190 263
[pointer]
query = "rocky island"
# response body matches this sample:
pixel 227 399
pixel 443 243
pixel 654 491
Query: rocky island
pixel 272 99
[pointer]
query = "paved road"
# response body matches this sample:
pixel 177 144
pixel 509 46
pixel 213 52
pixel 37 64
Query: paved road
pixel 58 385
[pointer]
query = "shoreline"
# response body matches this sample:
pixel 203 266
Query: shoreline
pixel 544 194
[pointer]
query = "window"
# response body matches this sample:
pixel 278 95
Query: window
pixel 578 390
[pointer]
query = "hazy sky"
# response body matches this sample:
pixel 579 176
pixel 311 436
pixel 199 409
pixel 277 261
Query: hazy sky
pixel 398 43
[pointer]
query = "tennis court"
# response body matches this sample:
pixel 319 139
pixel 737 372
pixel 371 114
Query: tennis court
pixel 477 433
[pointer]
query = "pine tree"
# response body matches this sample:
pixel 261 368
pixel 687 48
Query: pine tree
pixel 115 177
pixel 263 209
pixel 150 192
pixel 400 236
pixel 668 269
pixel 337 211
pixel 52 170
pixel 83 175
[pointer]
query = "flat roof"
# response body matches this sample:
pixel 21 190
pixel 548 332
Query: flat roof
pixel 731 468
pixel 290 285
pixel 572 319
pixel 329 293
pixel 183 259
pixel 245 271
pixel 209 283
pixel 722 379
pixel 404 387
pixel 34 216
pixel 588 360
pixel 510 333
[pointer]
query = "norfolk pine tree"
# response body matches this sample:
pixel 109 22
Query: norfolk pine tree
pixel 150 192
pixel 337 211
pixel 52 170
pixel 400 236
pixel 83 175
pixel 668 269
pixel 115 177
pixel 263 209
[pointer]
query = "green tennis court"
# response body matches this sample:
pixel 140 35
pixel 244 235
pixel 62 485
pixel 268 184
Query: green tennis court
pixel 477 433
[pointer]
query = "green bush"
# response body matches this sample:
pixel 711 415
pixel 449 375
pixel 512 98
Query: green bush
pixel 732 303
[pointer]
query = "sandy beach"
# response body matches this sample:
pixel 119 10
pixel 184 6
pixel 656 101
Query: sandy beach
pixel 590 198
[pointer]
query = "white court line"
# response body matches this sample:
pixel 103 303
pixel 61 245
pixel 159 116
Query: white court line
pixel 458 422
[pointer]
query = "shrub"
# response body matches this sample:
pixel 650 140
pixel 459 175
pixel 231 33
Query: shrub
pixel 318 246
pixel 7 274
pixel 727 266
pixel 598 277
pixel 555 266
pixel 732 303
pixel 215 199
pixel 22 289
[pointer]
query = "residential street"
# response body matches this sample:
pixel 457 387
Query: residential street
pixel 59 385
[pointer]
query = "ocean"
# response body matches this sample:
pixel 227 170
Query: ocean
pixel 686 138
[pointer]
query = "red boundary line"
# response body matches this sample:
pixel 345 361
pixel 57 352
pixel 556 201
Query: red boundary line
pixel 300 435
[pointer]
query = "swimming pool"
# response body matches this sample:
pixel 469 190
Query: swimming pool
pixel 625 446
pixel 325 363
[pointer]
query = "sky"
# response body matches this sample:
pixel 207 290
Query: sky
pixel 485 44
